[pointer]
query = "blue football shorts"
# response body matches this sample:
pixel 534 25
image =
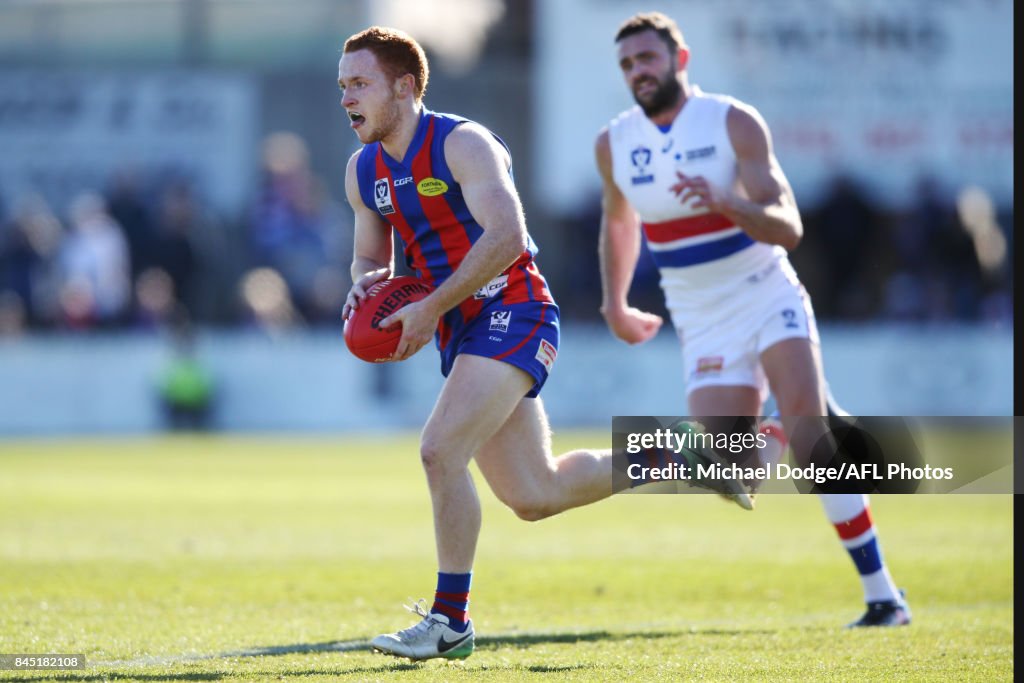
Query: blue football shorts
pixel 523 334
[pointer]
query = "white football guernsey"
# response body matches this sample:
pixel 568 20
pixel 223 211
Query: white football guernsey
pixel 702 256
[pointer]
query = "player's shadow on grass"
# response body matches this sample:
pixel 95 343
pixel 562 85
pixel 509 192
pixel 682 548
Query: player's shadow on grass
pixel 296 648
pixel 528 639
pixel 490 642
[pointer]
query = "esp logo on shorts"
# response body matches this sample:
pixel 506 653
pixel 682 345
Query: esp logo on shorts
pixel 709 364
pixel 546 354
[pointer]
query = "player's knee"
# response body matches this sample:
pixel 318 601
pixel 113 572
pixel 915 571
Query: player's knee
pixel 435 456
pixel 532 513
pixel 528 508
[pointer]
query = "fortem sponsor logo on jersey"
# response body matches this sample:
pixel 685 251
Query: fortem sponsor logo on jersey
pixel 546 354
pixel 641 158
pixel 500 321
pixel 396 300
pixel 431 187
pixel 491 288
pixel 382 195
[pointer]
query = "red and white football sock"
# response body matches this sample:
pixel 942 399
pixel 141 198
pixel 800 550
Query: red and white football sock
pixel 851 516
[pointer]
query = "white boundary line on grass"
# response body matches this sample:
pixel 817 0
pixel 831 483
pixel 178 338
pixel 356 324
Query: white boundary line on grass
pixel 335 646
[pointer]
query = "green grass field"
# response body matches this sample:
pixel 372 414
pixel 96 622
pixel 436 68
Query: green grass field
pixel 226 558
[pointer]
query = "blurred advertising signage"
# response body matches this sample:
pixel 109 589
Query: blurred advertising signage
pixel 63 132
pixel 887 90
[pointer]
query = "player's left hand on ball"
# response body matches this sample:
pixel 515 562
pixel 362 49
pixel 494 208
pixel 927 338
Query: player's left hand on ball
pixel 357 294
pixel 418 321
pixel 708 196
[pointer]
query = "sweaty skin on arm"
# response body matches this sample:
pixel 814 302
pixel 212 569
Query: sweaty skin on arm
pixel 480 165
pixel 618 250
pixel 373 253
pixel 768 212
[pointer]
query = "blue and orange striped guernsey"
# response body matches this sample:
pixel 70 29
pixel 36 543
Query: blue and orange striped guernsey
pixel 420 198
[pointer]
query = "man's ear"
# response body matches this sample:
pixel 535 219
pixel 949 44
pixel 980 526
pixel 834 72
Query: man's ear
pixel 684 59
pixel 405 86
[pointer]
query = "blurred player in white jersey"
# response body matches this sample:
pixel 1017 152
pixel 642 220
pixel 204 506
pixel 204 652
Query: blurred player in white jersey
pixel 696 172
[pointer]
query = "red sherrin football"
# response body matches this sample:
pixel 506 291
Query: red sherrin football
pixel 363 336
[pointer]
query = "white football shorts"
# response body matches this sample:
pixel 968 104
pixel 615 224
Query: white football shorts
pixel 723 337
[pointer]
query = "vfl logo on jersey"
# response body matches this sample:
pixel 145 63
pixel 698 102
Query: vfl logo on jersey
pixel 546 354
pixel 431 187
pixel 641 158
pixel 700 153
pixel 491 288
pixel 500 320
pixel 382 195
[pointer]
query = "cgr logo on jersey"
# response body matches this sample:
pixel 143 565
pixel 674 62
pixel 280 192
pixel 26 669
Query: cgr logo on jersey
pixel 641 158
pixel 492 287
pixel 382 195
pixel 500 320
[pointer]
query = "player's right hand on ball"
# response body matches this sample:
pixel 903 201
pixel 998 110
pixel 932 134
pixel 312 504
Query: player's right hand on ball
pixel 357 294
pixel 418 321
pixel 632 325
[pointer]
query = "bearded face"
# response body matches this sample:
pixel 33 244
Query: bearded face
pixel 657 94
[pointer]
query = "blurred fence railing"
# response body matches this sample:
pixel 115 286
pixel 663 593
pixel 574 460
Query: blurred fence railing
pixel 98 384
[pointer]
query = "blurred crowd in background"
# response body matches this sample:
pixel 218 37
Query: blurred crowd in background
pixel 142 251
pixel 241 96
pixel 947 258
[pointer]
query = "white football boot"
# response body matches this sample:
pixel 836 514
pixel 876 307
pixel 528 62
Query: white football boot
pixel 732 490
pixel 428 639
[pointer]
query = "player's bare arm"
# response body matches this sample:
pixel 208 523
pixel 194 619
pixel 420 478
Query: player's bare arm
pixel 768 212
pixel 480 165
pixel 618 250
pixel 373 252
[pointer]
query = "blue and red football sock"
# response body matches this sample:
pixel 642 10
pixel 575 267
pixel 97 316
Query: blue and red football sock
pixel 452 599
